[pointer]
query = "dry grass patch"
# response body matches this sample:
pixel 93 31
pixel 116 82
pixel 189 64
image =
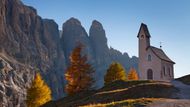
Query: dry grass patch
pixel 123 84
pixel 118 93
pixel 142 102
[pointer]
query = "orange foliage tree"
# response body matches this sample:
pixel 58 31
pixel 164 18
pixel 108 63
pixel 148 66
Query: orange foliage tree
pixel 39 93
pixel 132 75
pixel 79 74
pixel 115 72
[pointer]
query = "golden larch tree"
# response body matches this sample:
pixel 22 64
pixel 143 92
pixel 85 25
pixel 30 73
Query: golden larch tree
pixel 132 75
pixel 79 74
pixel 115 72
pixel 39 92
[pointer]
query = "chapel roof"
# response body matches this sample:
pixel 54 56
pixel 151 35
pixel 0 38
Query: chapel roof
pixel 160 54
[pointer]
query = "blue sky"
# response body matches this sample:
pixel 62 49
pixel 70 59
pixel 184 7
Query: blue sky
pixel 168 22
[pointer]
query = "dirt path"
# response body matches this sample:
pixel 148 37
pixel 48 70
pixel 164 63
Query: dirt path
pixel 170 103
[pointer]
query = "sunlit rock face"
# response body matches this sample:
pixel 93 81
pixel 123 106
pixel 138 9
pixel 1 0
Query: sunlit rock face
pixel 14 79
pixel 29 43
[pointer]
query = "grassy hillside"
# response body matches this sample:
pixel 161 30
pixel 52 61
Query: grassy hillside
pixel 184 79
pixel 119 92
pixel 126 103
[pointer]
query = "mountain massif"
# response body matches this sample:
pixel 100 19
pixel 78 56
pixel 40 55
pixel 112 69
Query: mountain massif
pixel 30 44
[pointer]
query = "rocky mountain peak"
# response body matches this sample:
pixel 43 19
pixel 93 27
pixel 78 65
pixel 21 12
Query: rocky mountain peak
pixel 27 42
pixel 96 25
pixel 72 22
pixel 97 33
pixel 74 28
pixel 72 34
pixel 52 28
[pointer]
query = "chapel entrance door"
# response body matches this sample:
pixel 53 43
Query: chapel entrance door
pixel 149 74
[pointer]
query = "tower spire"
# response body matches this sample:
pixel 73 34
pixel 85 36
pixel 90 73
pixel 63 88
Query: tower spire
pixel 144 29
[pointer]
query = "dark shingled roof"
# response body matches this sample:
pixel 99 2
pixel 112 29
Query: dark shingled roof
pixel 145 28
pixel 160 54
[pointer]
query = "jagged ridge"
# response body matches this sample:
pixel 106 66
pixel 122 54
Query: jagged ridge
pixel 29 42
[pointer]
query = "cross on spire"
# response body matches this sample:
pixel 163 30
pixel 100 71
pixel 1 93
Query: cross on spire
pixel 160 45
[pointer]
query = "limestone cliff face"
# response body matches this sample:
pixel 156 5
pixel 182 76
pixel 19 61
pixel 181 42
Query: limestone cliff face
pixel 103 55
pixel 55 59
pixel 100 48
pixel 73 33
pixel 28 42
pixel 14 79
pixel 124 59
pixel 99 43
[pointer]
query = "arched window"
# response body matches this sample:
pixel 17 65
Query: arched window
pixel 142 36
pixel 164 71
pixel 169 72
pixel 149 57
pixel 161 74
